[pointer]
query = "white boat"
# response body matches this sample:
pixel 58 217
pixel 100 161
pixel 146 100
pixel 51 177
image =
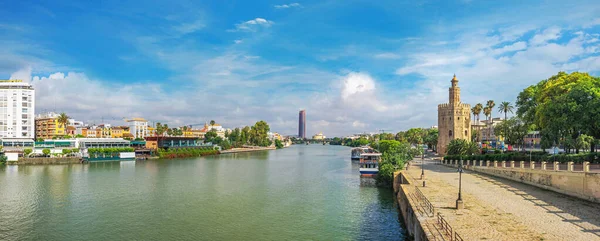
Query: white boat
pixel 355 153
pixel 369 164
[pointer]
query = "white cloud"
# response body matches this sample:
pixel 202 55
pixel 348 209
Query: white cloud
pixel 186 28
pixel 22 74
pixel 57 75
pixel 511 48
pixel 358 91
pixel 489 70
pixel 592 23
pixel 387 56
pixel 358 124
pixel 548 34
pixel 252 25
pixel 238 41
pixel 291 5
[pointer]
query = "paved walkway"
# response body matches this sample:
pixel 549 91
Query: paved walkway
pixel 500 209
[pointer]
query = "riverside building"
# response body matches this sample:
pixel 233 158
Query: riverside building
pixel 454 119
pixel 138 127
pixel 17 104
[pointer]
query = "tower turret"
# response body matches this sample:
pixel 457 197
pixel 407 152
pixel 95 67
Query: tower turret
pixel 454 91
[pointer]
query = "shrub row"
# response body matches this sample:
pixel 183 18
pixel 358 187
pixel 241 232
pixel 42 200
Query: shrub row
pixel 515 156
pixel 186 152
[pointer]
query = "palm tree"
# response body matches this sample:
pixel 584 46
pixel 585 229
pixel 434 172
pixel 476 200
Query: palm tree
pixel 505 107
pixel 478 108
pixel 63 120
pixel 212 122
pixel 491 104
pixel 488 113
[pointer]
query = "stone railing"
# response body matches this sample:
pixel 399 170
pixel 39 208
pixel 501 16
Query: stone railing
pixel 567 178
pixel 543 166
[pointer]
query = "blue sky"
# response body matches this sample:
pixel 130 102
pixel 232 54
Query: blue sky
pixel 355 66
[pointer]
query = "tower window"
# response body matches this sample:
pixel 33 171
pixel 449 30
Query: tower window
pixel 466 133
pixel 450 133
pixel 458 118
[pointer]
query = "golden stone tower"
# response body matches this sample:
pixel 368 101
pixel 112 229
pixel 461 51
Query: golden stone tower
pixel 454 119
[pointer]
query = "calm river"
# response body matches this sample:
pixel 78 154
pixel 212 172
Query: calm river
pixel 302 192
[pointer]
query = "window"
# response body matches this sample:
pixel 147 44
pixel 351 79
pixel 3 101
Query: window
pixel 466 133
pixel 450 133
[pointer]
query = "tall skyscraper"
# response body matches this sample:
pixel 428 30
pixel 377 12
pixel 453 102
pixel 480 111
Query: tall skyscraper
pixel 302 124
pixel 17 104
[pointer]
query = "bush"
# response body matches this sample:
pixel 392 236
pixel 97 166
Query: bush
pixel 278 144
pixel 46 151
pixel 186 152
pixel 27 151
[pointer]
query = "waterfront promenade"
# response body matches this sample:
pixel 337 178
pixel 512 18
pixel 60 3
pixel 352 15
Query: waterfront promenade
pixel 501 209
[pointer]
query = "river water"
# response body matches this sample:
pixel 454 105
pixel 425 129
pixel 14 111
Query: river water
pixel 304 192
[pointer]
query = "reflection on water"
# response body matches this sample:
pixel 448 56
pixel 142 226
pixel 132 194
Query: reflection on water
pixel 302 192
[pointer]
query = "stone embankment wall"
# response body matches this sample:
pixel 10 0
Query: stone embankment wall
pixel 585 185
pixel 46 161
pixel 415 223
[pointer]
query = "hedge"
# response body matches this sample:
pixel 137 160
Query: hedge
pixel 593 157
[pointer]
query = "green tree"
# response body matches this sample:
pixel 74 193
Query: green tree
pixel 259 134
pixel 66 151
pixel 431 139
pixel 562 107
pixel 490 105
pixel 63 120
pixel 245 136
pixel 513 130
pixel 225 144
pixel 278 144
pixel 212 122
pixel 46 151
pixel 505 107
pixel 461 147
pixel 394 155
pixel 400 136
pixel 27 151
pixel 477 110
pixel 210 136
pixel 583 142
pixel 415 136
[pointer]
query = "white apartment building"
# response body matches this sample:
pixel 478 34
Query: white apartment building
pixel 138 127
pixel 17 105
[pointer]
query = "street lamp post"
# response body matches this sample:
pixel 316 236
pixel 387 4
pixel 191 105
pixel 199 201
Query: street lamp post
pixel 459 201
pixel 422 162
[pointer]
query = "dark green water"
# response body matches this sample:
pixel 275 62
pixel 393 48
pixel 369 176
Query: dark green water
pixel 299 193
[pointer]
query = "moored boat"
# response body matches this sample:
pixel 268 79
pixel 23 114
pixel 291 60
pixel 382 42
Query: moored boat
pixel 355 153
pixel 369 164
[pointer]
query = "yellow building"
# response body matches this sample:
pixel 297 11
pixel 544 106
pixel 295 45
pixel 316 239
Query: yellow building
pixel 47 126
pixel 151 131
pixel 91 132
pixel 194 133
pixel 319 136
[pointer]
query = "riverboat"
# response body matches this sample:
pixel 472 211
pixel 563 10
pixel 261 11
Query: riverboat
pixel 369 164
pixel 355 153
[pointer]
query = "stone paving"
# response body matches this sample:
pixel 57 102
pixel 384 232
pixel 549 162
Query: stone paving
pixel 500 209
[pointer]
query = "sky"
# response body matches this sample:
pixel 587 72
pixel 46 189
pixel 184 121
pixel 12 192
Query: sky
pixel 355 66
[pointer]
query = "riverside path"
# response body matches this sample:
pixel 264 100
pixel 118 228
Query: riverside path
pixel 501 209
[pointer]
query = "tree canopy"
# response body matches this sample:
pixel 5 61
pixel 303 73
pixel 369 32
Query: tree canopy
pixel 562 107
